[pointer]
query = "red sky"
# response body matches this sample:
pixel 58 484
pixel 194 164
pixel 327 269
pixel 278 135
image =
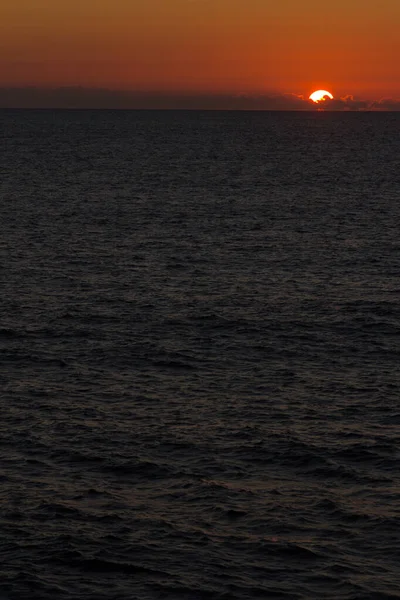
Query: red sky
pixel 213 46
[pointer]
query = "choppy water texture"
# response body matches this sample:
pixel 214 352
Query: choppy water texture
pixel 199 345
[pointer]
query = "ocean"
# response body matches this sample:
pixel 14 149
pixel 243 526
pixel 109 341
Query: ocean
pixel 199 350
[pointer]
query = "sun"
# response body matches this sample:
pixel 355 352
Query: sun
pixel 320 96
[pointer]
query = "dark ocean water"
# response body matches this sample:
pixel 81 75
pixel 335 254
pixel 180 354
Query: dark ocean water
pixel 199 356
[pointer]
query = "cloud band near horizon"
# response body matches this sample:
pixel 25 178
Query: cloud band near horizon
pixel 102 98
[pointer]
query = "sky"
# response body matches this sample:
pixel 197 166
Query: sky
pixel 202 48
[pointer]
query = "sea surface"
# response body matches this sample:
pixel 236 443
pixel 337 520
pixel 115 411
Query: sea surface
pixel 199 355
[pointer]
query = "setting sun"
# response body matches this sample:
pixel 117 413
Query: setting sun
pixel 320 95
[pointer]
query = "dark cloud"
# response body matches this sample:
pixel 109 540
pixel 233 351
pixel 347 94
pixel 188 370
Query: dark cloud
pixel 345 103
pixel 83 98
pixel 76 97
pixel 386 104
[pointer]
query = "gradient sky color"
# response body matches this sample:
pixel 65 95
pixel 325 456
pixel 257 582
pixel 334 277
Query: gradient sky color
pixel 212 46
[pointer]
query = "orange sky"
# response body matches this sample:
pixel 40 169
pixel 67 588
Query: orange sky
pixel 235 46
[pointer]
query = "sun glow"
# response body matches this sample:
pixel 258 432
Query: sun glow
pixel 320 96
